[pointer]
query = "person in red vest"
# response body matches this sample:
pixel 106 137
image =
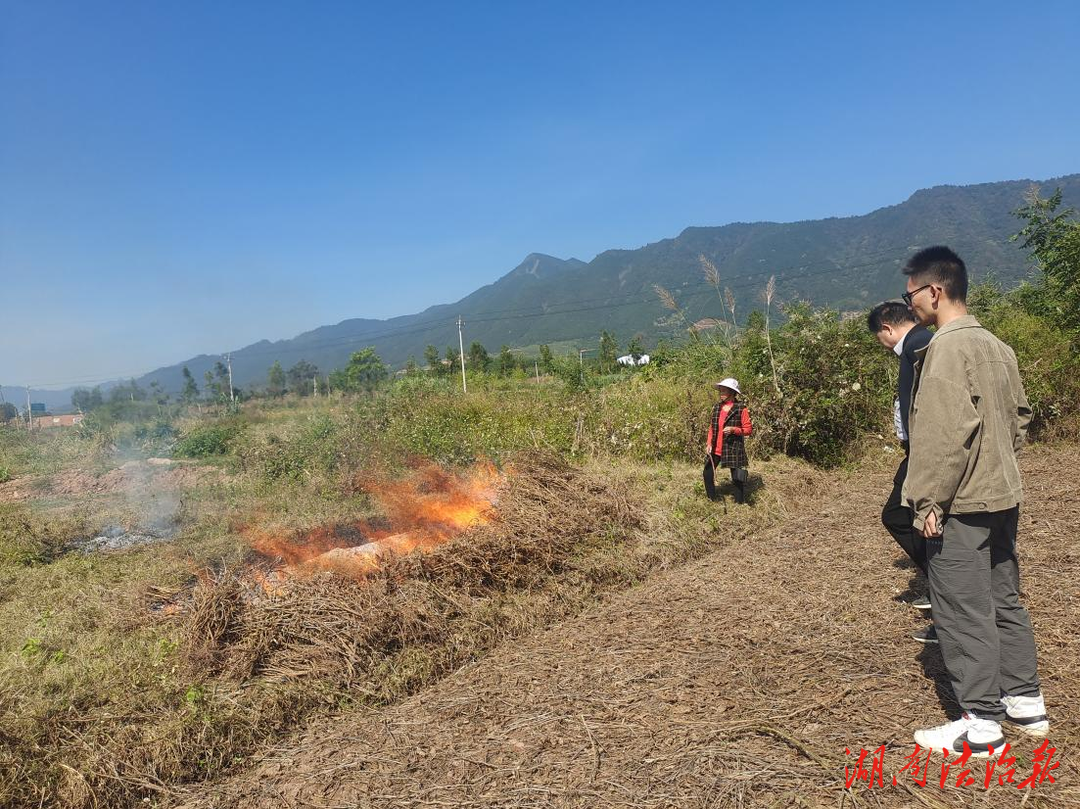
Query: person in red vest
pixel 729 426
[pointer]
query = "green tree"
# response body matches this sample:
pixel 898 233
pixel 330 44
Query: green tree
pixel 547 361
pixel 300 378
pixel 572 373
pixel 190 391
pixel 636 348
pixel 506 361
pixel 479 359
pixel 216 381
pixel 453 360
pixel 432 359
pixel 8 411
pixel 86 400
pixel 609 352
pixel 127 392
pixel 158 393
pixel 363 373
pixel 1053 237
pixel 212 389
pixel 275 380
pixel 411 368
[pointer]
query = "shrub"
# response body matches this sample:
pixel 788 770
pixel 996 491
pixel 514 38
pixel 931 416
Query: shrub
pixel 832 384
pixel 1048 363
pixel 293 452
pixel 445 425
pixel 206 440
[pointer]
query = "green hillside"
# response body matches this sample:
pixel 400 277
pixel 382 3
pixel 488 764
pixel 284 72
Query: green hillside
pixel 848 263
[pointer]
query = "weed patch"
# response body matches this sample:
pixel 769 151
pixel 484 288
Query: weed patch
pixel 207 440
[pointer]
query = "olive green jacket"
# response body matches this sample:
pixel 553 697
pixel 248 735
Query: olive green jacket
pixel 969 417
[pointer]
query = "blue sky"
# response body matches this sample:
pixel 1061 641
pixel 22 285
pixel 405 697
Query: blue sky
pixel 186 177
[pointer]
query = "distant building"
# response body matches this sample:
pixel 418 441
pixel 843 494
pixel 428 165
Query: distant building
pixel 48 422
pixel 629 360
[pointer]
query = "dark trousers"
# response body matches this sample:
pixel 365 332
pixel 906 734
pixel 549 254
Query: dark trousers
pixel 985 634
pixel 896 517
pixel 738 477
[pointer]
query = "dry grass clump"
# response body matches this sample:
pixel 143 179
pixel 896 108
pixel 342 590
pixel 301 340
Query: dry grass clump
pixel 29 538
pixel 550 514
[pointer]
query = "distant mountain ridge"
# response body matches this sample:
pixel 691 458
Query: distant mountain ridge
pixel 848 263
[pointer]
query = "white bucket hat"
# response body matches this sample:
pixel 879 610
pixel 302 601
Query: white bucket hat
pixel 731 383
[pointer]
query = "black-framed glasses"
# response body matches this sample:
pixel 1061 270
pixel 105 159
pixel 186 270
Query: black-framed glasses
pixel 907 296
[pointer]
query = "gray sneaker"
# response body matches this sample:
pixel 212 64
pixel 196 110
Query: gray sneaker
pixel 921 603
pixel 928 635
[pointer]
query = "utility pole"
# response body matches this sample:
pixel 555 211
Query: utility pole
pixel 461 348
pixel 315 385
pixel 29 412
pixel 581 361
pixel 536 367
pixel 232 394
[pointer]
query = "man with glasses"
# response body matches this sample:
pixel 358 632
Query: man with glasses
pixel 968 420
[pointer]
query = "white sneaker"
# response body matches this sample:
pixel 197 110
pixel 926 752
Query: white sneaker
pixel 1027 714
pixel 980 735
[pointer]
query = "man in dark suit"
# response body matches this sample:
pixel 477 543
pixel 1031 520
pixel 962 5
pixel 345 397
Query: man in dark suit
pixel 897 330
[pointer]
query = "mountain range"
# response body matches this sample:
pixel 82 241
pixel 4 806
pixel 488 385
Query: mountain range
pixel 848 263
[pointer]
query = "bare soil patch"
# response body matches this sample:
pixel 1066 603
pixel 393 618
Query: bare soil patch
pixel 735 680
pixel 24 487
pixel 152 474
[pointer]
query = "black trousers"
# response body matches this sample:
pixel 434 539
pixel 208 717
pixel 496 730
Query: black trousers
pixel 738 477
pixel 896 517
pixel 984 631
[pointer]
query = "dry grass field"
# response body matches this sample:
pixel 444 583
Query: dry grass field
pixel 211 632
pixel 737 679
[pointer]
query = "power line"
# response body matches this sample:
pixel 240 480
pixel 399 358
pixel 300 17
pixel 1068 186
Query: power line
pixel 525 313
pixel 784 275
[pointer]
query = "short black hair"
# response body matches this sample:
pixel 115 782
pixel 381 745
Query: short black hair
pixel 940 265
pixel 894 313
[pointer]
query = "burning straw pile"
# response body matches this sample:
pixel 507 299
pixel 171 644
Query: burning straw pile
pixel 269 655
pixel 400 622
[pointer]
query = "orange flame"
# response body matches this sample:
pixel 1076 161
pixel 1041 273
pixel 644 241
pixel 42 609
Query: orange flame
pixel 423 511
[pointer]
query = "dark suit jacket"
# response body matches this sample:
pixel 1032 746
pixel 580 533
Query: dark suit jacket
pixel 917 338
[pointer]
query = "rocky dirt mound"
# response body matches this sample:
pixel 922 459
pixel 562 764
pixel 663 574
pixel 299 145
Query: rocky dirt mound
pixel 738 680
pixel 153 474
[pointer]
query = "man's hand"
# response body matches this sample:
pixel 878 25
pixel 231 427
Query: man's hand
pixel 930 526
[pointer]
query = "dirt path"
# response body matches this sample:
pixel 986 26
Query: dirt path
pixel 736 680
